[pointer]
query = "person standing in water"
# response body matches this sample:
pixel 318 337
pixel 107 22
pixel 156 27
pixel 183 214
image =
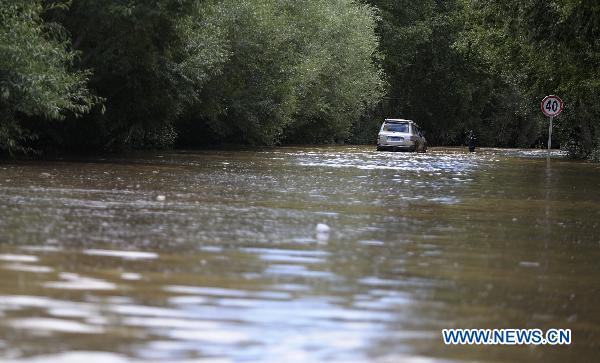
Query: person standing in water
pixel 471 141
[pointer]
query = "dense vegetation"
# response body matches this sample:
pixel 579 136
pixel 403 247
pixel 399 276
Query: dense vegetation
pixel 117 74
pixel 37 79
pixel 545 47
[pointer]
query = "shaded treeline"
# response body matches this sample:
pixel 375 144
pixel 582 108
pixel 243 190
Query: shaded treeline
pixel 90 75
pixel 457 65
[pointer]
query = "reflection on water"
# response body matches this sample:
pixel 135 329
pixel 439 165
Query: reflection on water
pixel 212 256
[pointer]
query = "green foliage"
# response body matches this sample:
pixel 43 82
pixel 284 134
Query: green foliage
pixel 541 48
pixel 149 61
pixel 249 101
pixel 595 154
pixel 37 79
pixel 425 73
pixel 297 71
pixel 256 71
pixel 438 80
pixel 264 72
pixel 338 77
pixel 485 65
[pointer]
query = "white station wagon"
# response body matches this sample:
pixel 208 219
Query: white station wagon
pixel 401 135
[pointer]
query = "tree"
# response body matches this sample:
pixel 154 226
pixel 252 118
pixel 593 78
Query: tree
pixel 149 61
pixel 256 72
pixel 339 76
pixel 37 79
pixel 429 79
pixel 546 47
pixel 439 80
pixel 296 71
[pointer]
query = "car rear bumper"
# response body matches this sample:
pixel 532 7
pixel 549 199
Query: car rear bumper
pixel 396 147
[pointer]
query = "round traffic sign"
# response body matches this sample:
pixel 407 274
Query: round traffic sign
pixel 552 106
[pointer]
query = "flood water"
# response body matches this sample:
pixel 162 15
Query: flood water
pixel 213 256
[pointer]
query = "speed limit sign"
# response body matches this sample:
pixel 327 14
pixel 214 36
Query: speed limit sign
pixel 552 106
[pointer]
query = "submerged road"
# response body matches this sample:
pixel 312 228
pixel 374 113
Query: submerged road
pixel 213 256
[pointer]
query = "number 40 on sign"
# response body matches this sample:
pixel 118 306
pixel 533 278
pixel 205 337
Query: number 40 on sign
pixel 551 106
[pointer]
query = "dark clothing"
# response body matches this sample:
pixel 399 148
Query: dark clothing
pixel 471 141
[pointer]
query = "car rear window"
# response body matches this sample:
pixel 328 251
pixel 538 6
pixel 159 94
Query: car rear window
pixel 396 127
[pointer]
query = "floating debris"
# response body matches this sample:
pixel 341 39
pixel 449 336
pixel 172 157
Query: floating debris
pixel 323 228
pixel 130 276
pixel 529 264
pixel 323 231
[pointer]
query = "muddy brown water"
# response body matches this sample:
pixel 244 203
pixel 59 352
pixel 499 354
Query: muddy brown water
pixel 212 256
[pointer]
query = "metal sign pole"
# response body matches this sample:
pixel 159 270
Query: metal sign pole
pixel 551 106
pixel 550 134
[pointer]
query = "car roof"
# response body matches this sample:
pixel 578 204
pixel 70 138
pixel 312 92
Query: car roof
pixel 398 120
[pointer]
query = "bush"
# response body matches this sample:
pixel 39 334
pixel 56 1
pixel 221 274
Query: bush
pixel 37 77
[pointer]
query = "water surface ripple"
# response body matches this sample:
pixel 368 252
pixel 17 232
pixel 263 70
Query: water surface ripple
pixel 212 256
